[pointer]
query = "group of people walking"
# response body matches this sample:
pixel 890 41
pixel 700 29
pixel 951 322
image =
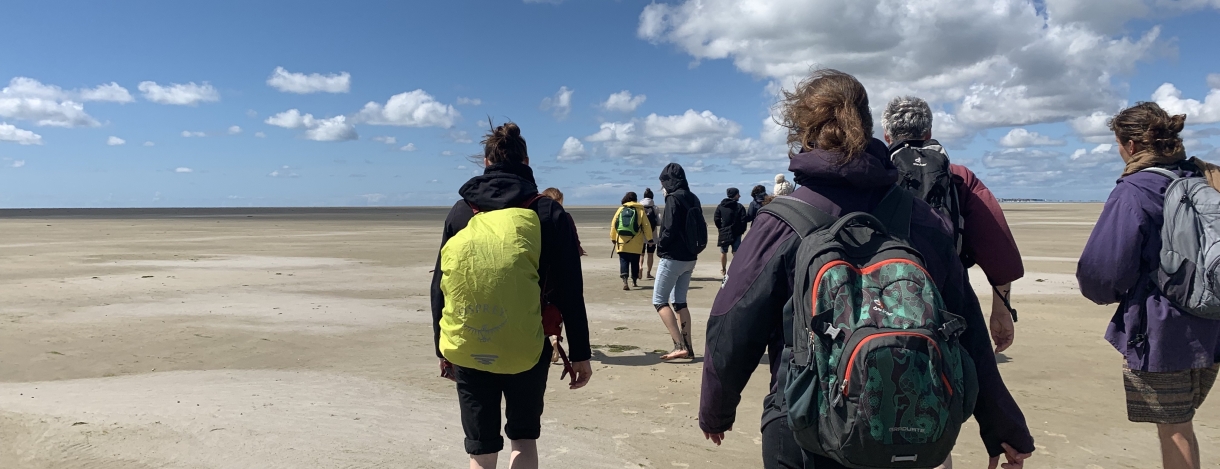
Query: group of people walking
pixel 854 285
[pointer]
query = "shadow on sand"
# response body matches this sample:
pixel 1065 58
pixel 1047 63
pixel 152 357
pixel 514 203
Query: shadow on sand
pixel 647 359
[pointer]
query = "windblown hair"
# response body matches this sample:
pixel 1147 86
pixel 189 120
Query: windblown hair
pixel 553 194
pixel 630 197
pixel 907 118
pixel 504 144
pixel 1150 126
pixel 757 191
pixel 827 111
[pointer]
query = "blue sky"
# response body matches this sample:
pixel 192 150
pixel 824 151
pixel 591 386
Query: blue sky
pixel 155 104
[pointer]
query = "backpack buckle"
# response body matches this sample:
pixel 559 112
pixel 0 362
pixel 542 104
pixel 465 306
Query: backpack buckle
pixel 833 332
pixel 952 329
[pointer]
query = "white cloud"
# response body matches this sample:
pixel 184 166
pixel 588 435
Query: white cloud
pixel 334 129
pixel 373 198
pixel 1021 138
pixel 31 88
pixel 411 109
pixel 260 135
pixel 446 153
pixel 188 134
pixel 17 164
pixel 572 150
pixel 234 130
pixel 690 133
pixel 115 141
pixel 1091 158
pixel 49 105
pixel 1093 128
pixel 301 83
pixel 188 94
pixel 251 113
pixel 623 101
pixel 10 133
pixel 1206 112
pixel 183 170
pixel 560 104
pixel 1213 81
pixel 386 140
pixel 469 101
pixel 284 172
pixel 460 136
pixel 149 144
pixel 408 147
pixel 110 92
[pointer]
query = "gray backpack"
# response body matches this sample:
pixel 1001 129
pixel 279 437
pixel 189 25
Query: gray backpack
pixel 1190 249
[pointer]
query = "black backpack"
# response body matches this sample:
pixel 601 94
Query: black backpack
pixel 696 228
pixel 925 173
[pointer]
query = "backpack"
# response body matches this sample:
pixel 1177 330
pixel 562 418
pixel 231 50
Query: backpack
pixel 696 229
pixel 1190 245
pixel 492 317
pixel 628 224
pixel 925 173
pixel 878 376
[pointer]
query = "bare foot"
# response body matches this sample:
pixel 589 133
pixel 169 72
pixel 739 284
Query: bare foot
pixel 676 355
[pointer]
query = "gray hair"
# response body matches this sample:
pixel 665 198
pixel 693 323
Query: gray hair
pixel 907 118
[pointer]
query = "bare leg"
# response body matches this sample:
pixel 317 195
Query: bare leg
pixel 675 332
pixel 525 454
pixel 684 317
pixel 650 264
pixel 724 263
pixel 483 461
pixel 1179 446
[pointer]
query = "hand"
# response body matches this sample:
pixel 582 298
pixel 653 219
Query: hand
pixel 447 370
pixel 1015 460
pixel 716 438
pixel 1003 331
pixel 583 371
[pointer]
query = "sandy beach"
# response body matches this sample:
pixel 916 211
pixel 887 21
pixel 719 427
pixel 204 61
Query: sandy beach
pixel 301 338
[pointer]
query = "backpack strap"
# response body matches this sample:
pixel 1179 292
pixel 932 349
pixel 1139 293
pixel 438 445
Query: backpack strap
pixel 1163 172
pixel 894 211
pixel 799 215
pixel 526 205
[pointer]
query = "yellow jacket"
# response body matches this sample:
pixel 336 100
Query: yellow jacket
pixel 631 244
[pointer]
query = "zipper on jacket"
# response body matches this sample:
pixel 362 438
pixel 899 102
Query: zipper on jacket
pixel 851 362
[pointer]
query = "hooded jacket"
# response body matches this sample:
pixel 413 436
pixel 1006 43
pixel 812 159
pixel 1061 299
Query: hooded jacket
pixel 747 316
pixel 1117 266
pixel 755 205
pixel 730 221
pixel 672 242
pixel 510 185
pixel 631 244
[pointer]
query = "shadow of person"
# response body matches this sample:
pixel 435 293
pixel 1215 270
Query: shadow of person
pixel 647 359
pixel 1001 358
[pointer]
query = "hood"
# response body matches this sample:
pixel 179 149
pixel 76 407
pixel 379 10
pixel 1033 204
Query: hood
pixel 760 197
pixel 646 202
pixel 929 144
pixel 673 178
pixel 728 202
pixel 501 185
pixel 633 205
pixel 869 170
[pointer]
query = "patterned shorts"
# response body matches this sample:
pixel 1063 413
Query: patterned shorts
pixel 1167 398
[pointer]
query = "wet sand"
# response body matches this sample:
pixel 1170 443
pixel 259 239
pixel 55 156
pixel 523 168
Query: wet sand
pixel 301 338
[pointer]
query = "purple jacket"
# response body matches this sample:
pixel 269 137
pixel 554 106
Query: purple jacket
pixel 1117 266
pixel 747 316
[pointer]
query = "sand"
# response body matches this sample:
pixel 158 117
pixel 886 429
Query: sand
pixel 302 338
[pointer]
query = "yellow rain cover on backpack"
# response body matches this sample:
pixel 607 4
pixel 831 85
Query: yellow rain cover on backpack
pixel 492 319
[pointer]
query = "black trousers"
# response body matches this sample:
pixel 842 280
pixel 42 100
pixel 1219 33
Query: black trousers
pixel 629 264
pixel 479 394
pixel 780 450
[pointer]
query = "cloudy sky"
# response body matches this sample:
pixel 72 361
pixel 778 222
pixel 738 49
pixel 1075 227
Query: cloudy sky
pixel 149 104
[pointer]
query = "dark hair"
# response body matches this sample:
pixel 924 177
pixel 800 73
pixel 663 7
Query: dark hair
pixel 630 197
pixel 504 144
pixel 1150 126
pixel 553 194
pixel 827 111
pixel 648 193
pixel 757 191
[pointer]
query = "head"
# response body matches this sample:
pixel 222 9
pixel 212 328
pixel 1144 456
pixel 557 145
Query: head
pixel 732 193
pixel 907 118
pixel 630 197
pixel 504 144
pixel 1145 126
pixel 673 178
pixel 553 194
pixel 758 191
pixel 648 193
pixel 828 111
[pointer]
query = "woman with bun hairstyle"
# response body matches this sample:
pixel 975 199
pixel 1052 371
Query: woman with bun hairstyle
pixel 507 182
pixel 1170 357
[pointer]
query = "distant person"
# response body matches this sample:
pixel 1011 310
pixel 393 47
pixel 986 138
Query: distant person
pixel 650 210
pixel 782 186
pixel 763 305
pixel 980 229
pixel 630 231
pixel 758 196
pixel 683 237
pixel 507 254
pixel 1170 355
pixel 730 221
pixel 557 196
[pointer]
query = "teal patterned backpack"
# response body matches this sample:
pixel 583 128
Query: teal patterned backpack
pixel 878 377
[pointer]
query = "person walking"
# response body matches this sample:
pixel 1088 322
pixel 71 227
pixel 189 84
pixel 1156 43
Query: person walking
pixel 650 210
pixel 508 260
pixel 730 221
pixel 758 198
pixel 630 231
pixel 682 237
pixel 1170 355
pixel 842 170
pixel 557 196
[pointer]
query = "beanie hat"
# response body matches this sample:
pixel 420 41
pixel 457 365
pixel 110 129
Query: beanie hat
pixel 732 192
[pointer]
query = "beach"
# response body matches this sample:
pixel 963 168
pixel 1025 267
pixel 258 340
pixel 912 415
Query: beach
pixel 291 338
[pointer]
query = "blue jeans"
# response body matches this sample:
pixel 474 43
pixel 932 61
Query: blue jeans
pixel 673 280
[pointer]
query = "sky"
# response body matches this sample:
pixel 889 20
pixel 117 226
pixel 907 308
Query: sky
pixel 308 103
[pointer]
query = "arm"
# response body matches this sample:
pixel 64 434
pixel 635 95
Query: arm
pixel 645 226
pixel 666 239
pixel 986 237
pixel 717 217
pixel 566 287
pixel 1110 263
pixel 614 226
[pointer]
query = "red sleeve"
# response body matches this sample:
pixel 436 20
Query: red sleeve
pixel 986 238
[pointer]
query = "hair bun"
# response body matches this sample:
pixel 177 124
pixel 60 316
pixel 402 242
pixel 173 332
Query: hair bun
pixel 1177 123
pixel 509 129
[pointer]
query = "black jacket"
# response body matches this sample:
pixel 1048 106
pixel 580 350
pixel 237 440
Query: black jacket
pixel 510 185
pixel 730 221
pixel 755 205
pixel 672 243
